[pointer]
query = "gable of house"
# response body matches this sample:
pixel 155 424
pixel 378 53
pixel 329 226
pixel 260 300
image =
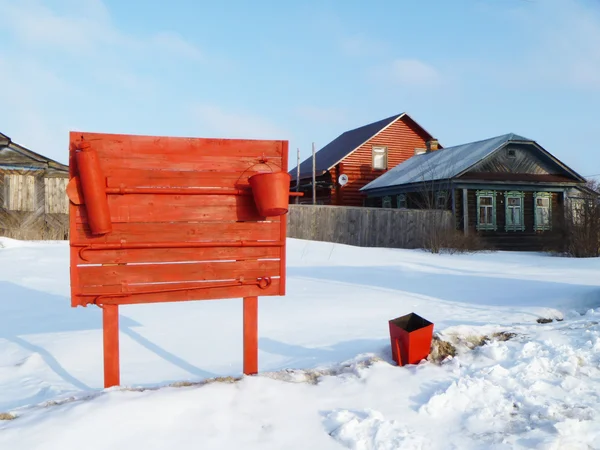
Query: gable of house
pixel 522 161
pixel 30 182
pixel 487 159
pixel 348 143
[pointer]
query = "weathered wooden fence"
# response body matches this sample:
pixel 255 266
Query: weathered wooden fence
pixel 366 227
pixel 33 206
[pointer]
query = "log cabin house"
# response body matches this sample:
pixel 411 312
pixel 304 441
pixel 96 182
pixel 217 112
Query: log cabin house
pixel 507 189
pixel 33 199
pixel 362 154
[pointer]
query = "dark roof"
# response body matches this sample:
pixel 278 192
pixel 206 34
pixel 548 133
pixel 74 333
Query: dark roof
pixel 343 145
pixel 7 142
pixel 448 163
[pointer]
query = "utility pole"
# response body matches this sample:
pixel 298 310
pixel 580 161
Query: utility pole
pixel 298 175
pixel 314 175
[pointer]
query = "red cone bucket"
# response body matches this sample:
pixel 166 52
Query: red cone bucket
pixel 271 192
pixel 410 337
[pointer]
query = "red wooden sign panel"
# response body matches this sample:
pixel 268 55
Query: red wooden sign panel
pixel 160 219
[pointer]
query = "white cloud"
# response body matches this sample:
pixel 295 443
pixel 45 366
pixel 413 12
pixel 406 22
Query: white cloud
pixel 85 29
pixel 63 55
pixel 408 72
pixel 220 123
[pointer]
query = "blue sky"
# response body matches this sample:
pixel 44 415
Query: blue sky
pixel 303 71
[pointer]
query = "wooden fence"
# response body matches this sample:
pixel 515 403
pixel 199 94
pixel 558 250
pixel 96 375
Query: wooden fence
pixel 33 206
pixel 365 227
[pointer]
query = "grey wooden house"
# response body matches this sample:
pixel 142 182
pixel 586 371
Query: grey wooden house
pixel 508 189
pixel 33 200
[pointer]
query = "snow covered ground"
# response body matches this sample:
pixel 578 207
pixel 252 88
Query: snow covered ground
pixel 540 389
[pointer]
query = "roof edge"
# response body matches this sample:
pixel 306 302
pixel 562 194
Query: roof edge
pixel 400 116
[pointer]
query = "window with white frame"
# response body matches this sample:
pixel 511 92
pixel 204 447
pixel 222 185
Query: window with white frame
pixel 380 158
pixel 514 211
pixel 486 210
pixel 441 200
pixel 543 210
pixel 386 202
pixel 401 201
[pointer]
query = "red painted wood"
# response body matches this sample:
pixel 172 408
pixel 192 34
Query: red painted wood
pixel 181 232
pixel 147 162
pixel 138 146
pixel 250 335
pixel 144 259
pixel 140 295
pixel 177 255
pixel 175 178
pixel 169 273
pixel 178 208
pixel 401 139
pixel 110 323
pixel 283 227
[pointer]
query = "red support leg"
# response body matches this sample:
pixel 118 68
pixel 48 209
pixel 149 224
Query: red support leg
pixel 250 335
pixel 110 322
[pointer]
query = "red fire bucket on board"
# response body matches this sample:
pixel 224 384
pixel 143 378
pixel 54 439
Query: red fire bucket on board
pixel 271 191
pixel 411 337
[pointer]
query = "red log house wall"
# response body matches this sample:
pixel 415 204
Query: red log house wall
pixel 401 139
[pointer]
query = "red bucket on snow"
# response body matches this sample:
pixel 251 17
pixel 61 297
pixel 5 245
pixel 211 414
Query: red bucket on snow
pixel 411 337
pixel 271 192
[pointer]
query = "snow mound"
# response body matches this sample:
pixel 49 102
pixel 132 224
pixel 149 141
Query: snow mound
pixel 369 430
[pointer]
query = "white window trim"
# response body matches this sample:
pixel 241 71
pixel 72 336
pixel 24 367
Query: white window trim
pixel 514 194
pixel 537 226
pixel 385 155
pixel 487 227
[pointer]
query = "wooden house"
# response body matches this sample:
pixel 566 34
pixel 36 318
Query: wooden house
pixel 362 155
pixel 33 200
pixel 508 189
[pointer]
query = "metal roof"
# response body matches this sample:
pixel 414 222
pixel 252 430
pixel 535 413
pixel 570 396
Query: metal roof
pixel 342 146
pixel 442 164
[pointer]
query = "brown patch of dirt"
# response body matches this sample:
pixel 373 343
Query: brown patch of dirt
pixel 440 350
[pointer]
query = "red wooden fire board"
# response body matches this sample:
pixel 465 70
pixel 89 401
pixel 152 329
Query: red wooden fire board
pixel 179 245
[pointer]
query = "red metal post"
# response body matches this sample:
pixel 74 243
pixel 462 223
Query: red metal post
pixel 110 319
pixel 250 335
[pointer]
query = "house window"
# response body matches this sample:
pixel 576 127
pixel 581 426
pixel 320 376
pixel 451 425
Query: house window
pixel 514 211
pixel 19 192
pixel 543 210
pixel 511 153
pixel 386 202
pixel 402 202
pixel 441 200
pixel 380 158
pixel 578 209
pixel 486 210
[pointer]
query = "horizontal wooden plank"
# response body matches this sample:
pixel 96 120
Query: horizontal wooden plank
pixel 181 231
pixel 177 255
pixel 125 146
pixel 178 208
pixel 170 273
pixel 179 178
pixel 187 163
pixel 184 295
